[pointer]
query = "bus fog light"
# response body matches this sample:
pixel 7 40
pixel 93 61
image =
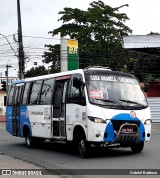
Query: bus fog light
pixel 98 134
pixel 148 134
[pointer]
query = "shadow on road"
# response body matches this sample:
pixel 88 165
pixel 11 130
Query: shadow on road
pixel 63 148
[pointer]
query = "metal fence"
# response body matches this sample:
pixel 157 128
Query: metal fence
pixel 154 103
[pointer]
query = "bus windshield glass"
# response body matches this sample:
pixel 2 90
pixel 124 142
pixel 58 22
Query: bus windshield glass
pixel 117 91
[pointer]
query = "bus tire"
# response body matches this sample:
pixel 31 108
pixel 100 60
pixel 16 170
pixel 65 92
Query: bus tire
pixel 83 147
pixel 29 140
pixel 137 148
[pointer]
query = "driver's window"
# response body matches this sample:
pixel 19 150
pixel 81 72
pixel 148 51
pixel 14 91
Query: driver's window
pixel 76 92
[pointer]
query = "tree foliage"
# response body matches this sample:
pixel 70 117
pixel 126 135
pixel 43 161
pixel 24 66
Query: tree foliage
pixel 36 71
pixel 146 63
pixel 53 56
pixel 99 31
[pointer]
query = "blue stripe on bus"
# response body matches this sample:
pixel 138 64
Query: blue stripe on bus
pixel 125 117
pixel 24 121
pixel 17 82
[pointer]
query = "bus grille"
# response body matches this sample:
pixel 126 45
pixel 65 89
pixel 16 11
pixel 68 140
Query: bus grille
pixel 117 123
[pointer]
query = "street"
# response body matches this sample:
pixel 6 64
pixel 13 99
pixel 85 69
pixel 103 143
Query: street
pixel 59 156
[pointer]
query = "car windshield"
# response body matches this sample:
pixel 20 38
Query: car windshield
pixel 115 90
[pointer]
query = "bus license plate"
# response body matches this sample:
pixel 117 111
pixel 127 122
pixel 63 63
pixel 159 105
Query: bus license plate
pixel 127 130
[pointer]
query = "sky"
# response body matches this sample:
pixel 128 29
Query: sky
pixel 38 17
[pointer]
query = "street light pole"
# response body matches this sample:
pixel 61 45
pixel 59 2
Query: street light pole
pixel 20 41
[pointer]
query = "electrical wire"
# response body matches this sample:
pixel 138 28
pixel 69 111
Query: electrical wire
pixel 42 37
pixel 35 54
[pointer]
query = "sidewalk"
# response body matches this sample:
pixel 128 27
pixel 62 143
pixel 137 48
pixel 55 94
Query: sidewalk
pixel 21 167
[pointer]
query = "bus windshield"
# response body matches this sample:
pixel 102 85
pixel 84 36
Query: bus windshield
pixel 115 91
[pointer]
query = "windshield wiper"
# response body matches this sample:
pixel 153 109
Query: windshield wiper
pixel 134 102
pixel 111 101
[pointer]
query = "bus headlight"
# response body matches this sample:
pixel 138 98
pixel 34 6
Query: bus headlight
pixel 148 122
pixel 96 119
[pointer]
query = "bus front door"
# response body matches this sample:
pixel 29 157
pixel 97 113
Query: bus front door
pixel 16 112
pixel 59 130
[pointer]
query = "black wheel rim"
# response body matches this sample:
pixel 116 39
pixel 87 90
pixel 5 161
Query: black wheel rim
pixel 82 148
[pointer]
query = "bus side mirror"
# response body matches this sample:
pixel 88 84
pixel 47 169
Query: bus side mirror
pixel 145 87
pixel 77 83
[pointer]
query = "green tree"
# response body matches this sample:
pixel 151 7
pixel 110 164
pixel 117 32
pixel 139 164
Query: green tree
pixel 36 71
pixel 146 64
pixel 53 56
pixel 99 31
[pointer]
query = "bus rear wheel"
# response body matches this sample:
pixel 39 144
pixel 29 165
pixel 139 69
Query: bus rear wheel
pixel 33 141
pixel 137 148
pixel 30 142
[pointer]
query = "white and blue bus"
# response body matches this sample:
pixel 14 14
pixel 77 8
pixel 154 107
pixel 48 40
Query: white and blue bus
pixel 88 107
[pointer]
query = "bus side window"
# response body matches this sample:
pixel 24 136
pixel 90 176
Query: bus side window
pixel 10 96
pixel 35 92
pixel 21 89
pixel 76 92
pixel 47 90
pixel 26 94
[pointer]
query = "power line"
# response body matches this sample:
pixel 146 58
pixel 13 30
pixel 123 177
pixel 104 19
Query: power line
pixel 6 36
pixel 42 37
pixel 7 44
pixel 34 47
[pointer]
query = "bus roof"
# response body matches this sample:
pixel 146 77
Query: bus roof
pixel 47 76
pixel 109 72
pixel 89 70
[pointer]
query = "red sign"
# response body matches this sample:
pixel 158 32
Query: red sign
pixel 95 94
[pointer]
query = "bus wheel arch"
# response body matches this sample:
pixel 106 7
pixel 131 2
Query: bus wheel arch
pixel 80 141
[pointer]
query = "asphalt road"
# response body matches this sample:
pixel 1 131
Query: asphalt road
pixel 60 156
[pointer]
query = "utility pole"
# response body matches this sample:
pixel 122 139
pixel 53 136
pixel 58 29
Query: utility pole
pixel 20 41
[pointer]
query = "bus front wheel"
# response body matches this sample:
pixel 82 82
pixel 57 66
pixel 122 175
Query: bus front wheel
pixel 83 147
pixel 137 148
